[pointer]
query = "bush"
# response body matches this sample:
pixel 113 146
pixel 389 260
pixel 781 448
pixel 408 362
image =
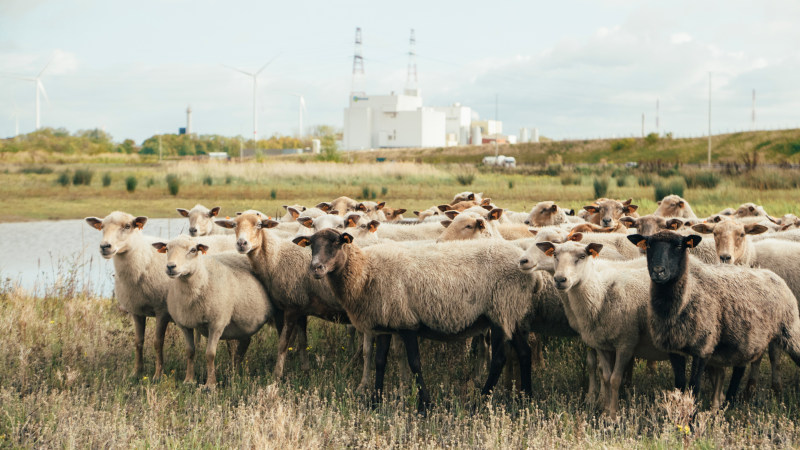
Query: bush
pixel 365 192
pixel 63 179
pixel 106 179
pixel 273 194
pixel 571 179
pixel 622 181
pixel 664 188
pixel 151 181
pixel 82 176
pixel 39 170
pixel 705 179
pixel 511 184
pixel 600 187
pixel 645 179
pixel 208 181
pixel 553 170
pixel 651 139
pixel 384 191
pixel 228 179
pixel 173 183
pixel 765 180
pixel 465 175
pixel 130 183
pixel 622 144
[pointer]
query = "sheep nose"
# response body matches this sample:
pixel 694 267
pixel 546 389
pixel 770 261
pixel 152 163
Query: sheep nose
pixel 523 261
pixel 241 243
pixel 171 266
pixel 560 278
pixel 659 270
pixel 193 231
pixel 725 259
pixel 105 246
pixel 606 222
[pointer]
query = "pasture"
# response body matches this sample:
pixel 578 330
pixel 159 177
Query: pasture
pixel 66 361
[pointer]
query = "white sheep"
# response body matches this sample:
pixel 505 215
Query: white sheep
pixel 218 295
pixel 201 221
pixel 674 206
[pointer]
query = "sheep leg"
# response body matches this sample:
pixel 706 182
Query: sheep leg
pixel 402 369
pixel 733 387
pixel 698 366
pixel 775 362
pixel 479 352
pixel 591 372
pixel 214 333
pixel 678 363
pixel 283 342
pixel 139 323
pixel 752 377
pixel 241 349
pixel 524 354
pixel 383 342
pixel 161 331
pixel 624 357
pixel 606 367
pixel 498 360
pixel 411 343
pixel 717 376
pixel 188 337
pixel 302 343
pixel 536 344
pixel 367 353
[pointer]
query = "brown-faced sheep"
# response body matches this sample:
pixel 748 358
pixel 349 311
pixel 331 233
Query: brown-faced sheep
pixel 386 288
pixel 607 212
pixel 546 214
pixel 218 295
pixel 674 206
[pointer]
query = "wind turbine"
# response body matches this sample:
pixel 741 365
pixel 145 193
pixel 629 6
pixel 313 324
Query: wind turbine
pixel 301 110
pixel 39 88
pixel 255 87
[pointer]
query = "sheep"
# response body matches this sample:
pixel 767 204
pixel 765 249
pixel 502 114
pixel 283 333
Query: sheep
pixel 292 212
pixel 201 220
pixel 651 223
pixel 281 267
pixel 545 214
pixel 341 205
pixel 750 210
pixel 309 225
pixel 471 225
pixel 674 206
pixel 467 196
pixel 386 288
pixel 607 304
pixel 217 295
pixel 393 214
pixel 723 315
pixel 372 210
pixel 607 212
pixel 398 232
pixel 431 214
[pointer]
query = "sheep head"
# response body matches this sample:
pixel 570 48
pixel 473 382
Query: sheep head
pixel 666 254
pixel 326 251
pixel 117 228
pixel 182 253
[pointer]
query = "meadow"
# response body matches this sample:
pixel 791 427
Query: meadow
pixel 67 356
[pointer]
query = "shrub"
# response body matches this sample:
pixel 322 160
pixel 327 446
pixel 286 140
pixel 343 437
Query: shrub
pixel 622 181
pixel 151 181
pixel 465 175
pixel 173 183
pixel 669 187
pixel 571 179
pixel 82 176
pixel 39 170
pixel 107 179
pixel 63 179
pixel 384 191
pixel 622 144
pixel 273 193
pixel 511 184
pixel 651 139
pixel 765 180
pixel 228 179
pixel 553 170
pixel 373 195
pixel 645 179
pixel 208 181
pixel 365 192
pixel 600 187
pixel 705 179
pixel 130 183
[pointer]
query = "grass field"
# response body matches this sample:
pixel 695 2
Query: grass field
pixel 66 357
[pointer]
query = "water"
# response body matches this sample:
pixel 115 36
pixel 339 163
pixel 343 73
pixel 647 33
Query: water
pixel 37 255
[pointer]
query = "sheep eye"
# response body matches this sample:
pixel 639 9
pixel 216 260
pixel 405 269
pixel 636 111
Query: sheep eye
pixel 339 226
pixel 127 226
pixel 582 257
pixel 194 250
pixel 258 225
pixel 527 222
pixel 741 235
pixel 469 226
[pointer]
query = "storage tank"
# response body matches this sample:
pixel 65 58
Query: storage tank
pixel 477 139
pixel 315 146
pixel 524 135
pixel 535 135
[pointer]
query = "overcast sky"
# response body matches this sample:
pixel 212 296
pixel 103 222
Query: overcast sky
pixel 570 68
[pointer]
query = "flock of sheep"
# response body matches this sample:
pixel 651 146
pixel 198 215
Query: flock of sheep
pixel 629 286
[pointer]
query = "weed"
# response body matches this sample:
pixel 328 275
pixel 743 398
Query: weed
pixel 173 184
pixel 600 187
pixel 130 183
pixel 107 179
pixel 82 176
pixel 669 187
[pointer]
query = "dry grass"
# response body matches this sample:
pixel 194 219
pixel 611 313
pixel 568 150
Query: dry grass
pixel 65 382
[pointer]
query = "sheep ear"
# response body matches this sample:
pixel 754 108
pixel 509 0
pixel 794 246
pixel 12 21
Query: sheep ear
pixel 471 197
pixel 302 241
pixel 575 237
pixel 681 204
pixel 591 208
pixel 547 247
pixel 214 211
pixel 495 214
pixel 202 248
pixel 487 207
pixel 630 209
pixel 160 246
pixel 443 208
pixel 307 222
pixel 692 241
pixel 446 223
pixel 335 212
pixel 139 222
pixel 533 232
pixel 627 202
pixel 416 213
pixel 361 207
pixel 451 214
pixel 638 240
pixel 345 238
pixel 674 224
pixel 593 249
pixel 351 220
pixel 752 209
pixel 182 212
pixel 703 228
pixel 268 223
pixel 486 202
pixel 397 212
pixel 227 223
pixel 373 226
pixel 658 202
pixel 570 212
pixel 286 207
pixel 295 213
pixel 480 224
pixel 325 206
pixel 755 228
pixel 629 222
pixel 95 223
pixel 554 208
pixel 381 205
